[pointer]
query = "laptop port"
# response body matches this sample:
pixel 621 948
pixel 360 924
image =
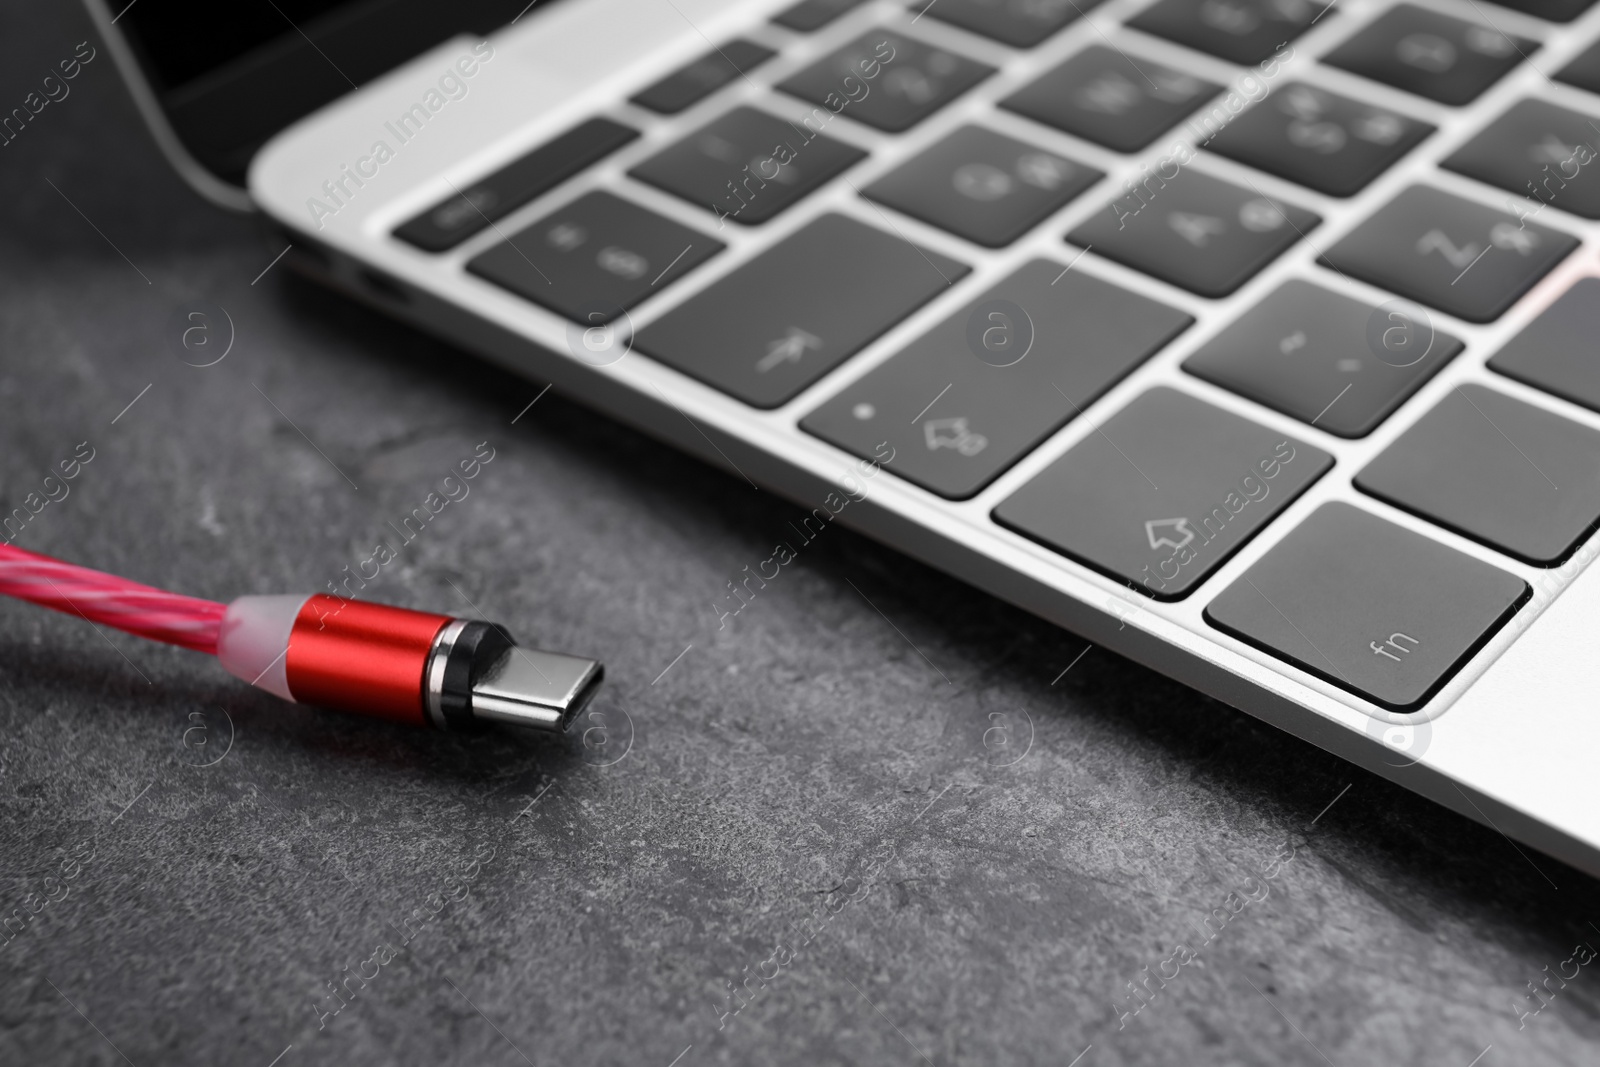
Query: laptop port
pixel 380 284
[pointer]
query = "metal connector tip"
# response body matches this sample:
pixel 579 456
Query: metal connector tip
pixel 477 674
pixel 527 687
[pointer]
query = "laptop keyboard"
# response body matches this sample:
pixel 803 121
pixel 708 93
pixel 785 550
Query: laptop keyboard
pixel 984 186
pixel 1584 71
pixel 887 80
pixel 1540 148
pixel 1449 253
pixel 747 166
pixel 1318 139
pixel 1246 32
pixel 1107 97
pixel 479 206
pixel 1305 351
pixel 1182 474
pixel 1534 501
pixel 1018 23
pixel 689 85
pixel 1377 609
pixel 792 314
pixel 1556 351
pixel 809 16
pixel 1432 55
pixel 955 421
pixel 594 258
pixel 1158 494
pixel 1198 232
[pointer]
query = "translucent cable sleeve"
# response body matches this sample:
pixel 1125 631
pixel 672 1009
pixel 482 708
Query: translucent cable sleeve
pixel 104 598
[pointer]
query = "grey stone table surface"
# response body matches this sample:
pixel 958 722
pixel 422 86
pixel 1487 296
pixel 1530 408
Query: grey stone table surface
pixel 867 820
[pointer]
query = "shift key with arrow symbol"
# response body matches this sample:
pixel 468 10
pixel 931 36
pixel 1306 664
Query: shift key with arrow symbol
pixel 1161 533
pixel 1165 493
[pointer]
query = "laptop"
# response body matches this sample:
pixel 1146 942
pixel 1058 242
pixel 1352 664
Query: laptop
pixel 1254 340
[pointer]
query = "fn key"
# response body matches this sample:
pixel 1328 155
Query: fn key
pixel 1387 613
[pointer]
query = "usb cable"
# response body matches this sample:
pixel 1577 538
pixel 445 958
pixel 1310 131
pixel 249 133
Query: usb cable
pixel 392 663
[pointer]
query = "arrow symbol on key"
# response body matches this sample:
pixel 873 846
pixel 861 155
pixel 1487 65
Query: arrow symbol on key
pixel 787 349
pixel 1196 229
pixel 1161 526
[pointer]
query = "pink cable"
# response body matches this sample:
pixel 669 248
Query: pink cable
pixel 105 598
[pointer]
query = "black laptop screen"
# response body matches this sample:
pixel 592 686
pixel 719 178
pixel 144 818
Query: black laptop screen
pixel 231 75
pixel 185 39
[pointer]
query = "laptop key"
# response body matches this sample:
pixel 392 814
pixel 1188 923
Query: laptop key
pixel 799 309
pixel 594 258
pixel 1195 231
pixel 1458 256
pixel 1433 55
pixel 1378 609
pixel 984 186
pixel 1163 492
pixel 748 165
pixel 810 15
pixel 1104 96
pixel 1584 72
pixel 1549 10
pixel 1241 31
pixel 698 80
pixel 1537 149
pixel 1329 143
pixel 886 80
pixel 966 400
pixel 475 208
pixel 1325 359
pixel 1516 477
pixel 1555 352
pixel 1018 23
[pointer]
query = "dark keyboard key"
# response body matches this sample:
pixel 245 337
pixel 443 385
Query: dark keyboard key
pixel 704 76
pixel 1556 351
pixel 809 15
pixel 1384 612
pixel 1162 493
pixel 1194 231
pixel 1241 31
pixel 1432 55
pixel 1449 253
pixel 886 80
pixel 594 258
pixel 747 165
pixel 1537 150
pixel 1495 469
pixel 1018 23
pixel 1322 358
pixel 983 186
pixel 1549 10
pixel 787 317
pixel 461 215
pixel 1584 72
pixel 970 397
pixel 1330 143
pixel 1111 99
